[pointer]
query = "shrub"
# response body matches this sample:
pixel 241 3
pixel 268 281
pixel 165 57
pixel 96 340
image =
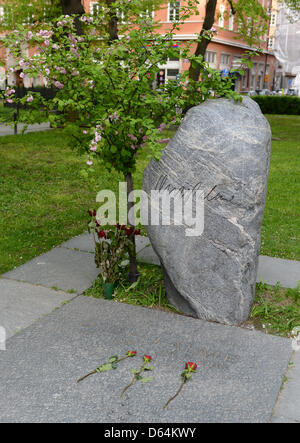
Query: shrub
pixel 271 104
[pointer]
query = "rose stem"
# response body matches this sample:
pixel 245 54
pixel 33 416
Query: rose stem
pixel 133 379
pixel 177 393
pixel 85 376
pixel 94 372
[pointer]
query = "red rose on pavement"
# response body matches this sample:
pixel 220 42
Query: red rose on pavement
pixel 102 234
pixel 191 365
pixel 131 353
pixel 148 357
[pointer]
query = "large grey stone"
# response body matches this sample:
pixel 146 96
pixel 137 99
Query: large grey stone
pixel 223 148
pixel 238 377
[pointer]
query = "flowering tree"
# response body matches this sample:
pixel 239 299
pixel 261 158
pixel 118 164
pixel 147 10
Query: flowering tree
pixel 105 83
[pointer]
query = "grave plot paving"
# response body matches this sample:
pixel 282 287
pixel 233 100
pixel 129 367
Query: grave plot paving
pixel 238 379
pixel 287 409
pixel 270 269
pixel 62 268
pixel 23 303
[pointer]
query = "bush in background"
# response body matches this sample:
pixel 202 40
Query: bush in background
pixel 271 104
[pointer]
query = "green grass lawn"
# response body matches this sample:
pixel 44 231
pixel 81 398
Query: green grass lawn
pixel 44 199
pixel 281 224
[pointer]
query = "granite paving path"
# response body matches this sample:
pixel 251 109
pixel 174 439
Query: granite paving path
pixel 8 130
pixel 240 371
pixel 238 377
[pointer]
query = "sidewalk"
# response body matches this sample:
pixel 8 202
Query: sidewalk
pixel 240 371
pixel 8 130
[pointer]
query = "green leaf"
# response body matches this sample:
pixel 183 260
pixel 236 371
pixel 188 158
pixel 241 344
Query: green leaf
pixel 146 379
pixel 149 368
pixel 113 359
pixel 105 367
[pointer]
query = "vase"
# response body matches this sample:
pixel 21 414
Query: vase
pixel 108 290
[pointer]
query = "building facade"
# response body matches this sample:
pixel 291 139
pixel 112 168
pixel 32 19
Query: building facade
pixel 223 53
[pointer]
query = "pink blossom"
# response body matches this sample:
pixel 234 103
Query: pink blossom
pixel 9 100
pixel 132 137
pixel 97 137
pixel 22 75
pixel 93 148
pixel 85 132
pixel 89 162
pixel 58 85
pixel 30 99
pixel 47 71
pixel 55 46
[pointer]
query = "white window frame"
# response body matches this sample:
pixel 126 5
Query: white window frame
pixel 211 57
pixel 174 12
pixel 271 43
pixel 231 22
pixel 147 13
pixel 227 57
pixel 273 19
pixel 95 7
pixel 221 16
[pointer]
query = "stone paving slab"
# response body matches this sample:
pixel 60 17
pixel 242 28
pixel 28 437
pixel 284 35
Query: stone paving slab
pixel 238 378
pixel 62 268
pixel 21 304
pixel 287 408
pixel 36 127
pixel 270 270
pixel 276 419
pixel 85 243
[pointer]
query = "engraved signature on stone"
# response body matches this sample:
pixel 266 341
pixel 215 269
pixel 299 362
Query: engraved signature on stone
pixel 214 193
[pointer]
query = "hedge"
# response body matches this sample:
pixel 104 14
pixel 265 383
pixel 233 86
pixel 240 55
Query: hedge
pixel 273 104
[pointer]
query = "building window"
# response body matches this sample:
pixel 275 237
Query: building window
pixel 273 19
pixel 172 74
pixel 95 8
pixel 270 42
pixel 147 13
pixel 225 59
pixel 210 57
pixel 221 16
pixel 174 11
pixel 231 22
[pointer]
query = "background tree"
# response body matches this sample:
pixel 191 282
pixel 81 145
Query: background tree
pixel 105 80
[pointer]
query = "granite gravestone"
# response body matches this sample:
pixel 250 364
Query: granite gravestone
pixel 223 148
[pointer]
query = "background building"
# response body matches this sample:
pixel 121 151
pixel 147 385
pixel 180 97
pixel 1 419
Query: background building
pixel 223 53
pixel 287 51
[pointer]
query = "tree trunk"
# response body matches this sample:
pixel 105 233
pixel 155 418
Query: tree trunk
pixel 133 270
pixel 70 7
pixel 194 72
pixel 113 21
